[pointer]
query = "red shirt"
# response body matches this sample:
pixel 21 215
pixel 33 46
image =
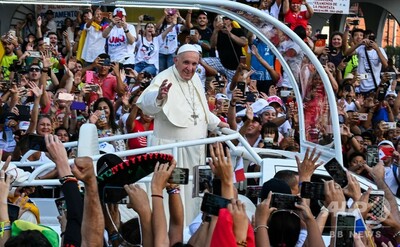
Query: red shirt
pixel 139 142
pixel 108 85
pixel 295 20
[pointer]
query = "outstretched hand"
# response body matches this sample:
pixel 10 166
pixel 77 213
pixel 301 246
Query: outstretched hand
pixel 163 90
pixel 307 167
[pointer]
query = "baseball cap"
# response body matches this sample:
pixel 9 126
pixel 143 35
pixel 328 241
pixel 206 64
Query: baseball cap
pixel 219 96
pixel 119 9
pixel 386 142
pixel 275 99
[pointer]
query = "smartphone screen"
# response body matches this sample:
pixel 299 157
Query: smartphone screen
pixel 66 96
pixel 46 40
pixel 211 204
pixel 115 195
pixel 312 190
pixel 36 142
pixel 13 212
pixel 337 172
pixel 284 201
pixel 24 112
pixel 179 176
pixel 372 155
pixel 61 205
pixel 344 229
pixel 253 193
pixel 376 198
pixel 203 177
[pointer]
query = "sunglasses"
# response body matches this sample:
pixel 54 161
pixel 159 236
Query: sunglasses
pixel 34 69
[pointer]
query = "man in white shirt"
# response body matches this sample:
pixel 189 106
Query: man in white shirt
pixel 51 25
pixel 121 37
pixel 94 42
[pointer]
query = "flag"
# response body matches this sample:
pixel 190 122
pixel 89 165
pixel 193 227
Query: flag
pixel 360 224
pixel 385 152
pixel 238 175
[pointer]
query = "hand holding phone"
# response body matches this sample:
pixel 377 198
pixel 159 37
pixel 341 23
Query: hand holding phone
pixel 179 176
pixel 337 172
pixel 211 204
pixel 284 201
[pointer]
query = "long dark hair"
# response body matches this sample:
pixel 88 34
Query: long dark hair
pixel 111 119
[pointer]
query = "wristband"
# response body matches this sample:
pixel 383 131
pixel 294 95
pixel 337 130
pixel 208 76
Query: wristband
pixel 176 190
pixel 114 236
pixel 159 196
pixel 126 31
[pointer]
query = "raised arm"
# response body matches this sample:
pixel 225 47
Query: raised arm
pixel 158 221
pixel 93 219
pixel 176 210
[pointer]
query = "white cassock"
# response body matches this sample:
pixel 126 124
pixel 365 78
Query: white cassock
pixel 183 115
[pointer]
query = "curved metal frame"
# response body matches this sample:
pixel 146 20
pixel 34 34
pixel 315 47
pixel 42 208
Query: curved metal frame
pixel 217 7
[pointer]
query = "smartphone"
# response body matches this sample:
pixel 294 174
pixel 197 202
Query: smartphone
pixel 12 33
pixel 119 14
pixel 376 198
pixel 251 97
pixel 253 193
pixel 355 22
pixel 46 40
pixel 372 155
pixel 61 205
pixel 268 142
pixel 322 36
pixel 312 190
pixel 24 112
pixel 34 54
pixel 363 116
pixel 13 212
pixel 345 224
pixel 202 180
pixel 284 93
pixel 192 32
pixel 243 59
pixel 392 125
pixel 36 142
pixel 337 172
pixel 66 96
pixel 179 176
pixel 284 201
pixel 363 76
pixel 115 195
pixel 219 18
pixel 77 105
pixel 89 76
pixel 242 86
pixel 211 204
pixel 93 88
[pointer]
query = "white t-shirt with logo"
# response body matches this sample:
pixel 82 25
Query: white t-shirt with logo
pixel 118 47
pixel 171 41
pixel 148 50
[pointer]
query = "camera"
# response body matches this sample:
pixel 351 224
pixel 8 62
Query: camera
pixel 148 18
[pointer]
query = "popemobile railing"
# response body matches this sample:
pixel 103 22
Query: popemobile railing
pixel 225 135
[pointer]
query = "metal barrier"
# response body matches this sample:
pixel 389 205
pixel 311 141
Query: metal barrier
pixel 226 135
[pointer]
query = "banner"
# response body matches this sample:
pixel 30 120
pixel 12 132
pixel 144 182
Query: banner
pixel 60 12
pixel 330 6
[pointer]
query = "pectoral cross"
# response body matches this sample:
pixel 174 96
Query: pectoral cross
pixel 194 116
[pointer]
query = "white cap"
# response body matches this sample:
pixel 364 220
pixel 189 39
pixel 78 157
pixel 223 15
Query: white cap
pixel 386 142
pixel 106 147
pixel 219 96
pixel 119 9
pixel 198 47
pixel 187 47
pixel 389 92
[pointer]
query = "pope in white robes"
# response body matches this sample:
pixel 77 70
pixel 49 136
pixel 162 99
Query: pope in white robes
pixel 177 101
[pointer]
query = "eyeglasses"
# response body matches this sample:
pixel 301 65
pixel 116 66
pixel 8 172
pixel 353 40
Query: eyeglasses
pixel 34 69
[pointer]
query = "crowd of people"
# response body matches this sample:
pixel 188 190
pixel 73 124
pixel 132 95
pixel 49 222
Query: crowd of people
pixel 183 77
